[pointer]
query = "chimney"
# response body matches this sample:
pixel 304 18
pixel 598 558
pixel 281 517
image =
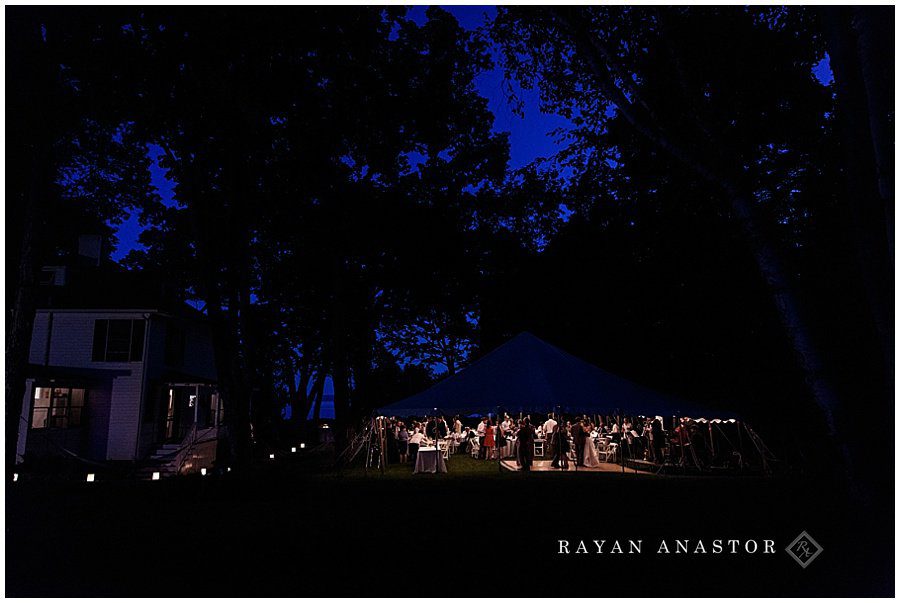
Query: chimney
pixel 90 248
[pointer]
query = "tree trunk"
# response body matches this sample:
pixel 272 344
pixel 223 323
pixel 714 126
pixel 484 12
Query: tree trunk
pixel 20 327
pixel 869 187
pixel 315 395
pixel 340 360
pixel 317 398
pixel 874 26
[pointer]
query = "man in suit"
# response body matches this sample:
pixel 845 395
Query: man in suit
pixel 559 440
pixel 579 436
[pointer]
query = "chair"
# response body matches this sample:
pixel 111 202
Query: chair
pixel 473 447
pixel 610 451
pixel 539 448
pixel 444 448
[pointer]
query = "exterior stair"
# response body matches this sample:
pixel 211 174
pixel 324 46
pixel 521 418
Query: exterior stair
pixel 195 452
pixel 166 460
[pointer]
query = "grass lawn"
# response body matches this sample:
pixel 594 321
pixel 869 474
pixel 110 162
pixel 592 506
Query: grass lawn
pixel 291 528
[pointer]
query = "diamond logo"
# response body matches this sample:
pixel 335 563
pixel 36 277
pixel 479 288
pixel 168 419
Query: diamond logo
pixel 804 549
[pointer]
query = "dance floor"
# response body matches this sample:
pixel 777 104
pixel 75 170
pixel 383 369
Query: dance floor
pixel 539 465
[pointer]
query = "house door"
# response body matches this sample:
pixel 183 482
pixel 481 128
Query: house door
pixel 179 403
pixel 170 402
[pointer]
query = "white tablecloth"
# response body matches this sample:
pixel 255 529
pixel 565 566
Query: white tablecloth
pixel 430 460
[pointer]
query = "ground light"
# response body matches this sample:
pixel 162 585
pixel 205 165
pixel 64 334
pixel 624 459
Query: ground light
pixel 155 476
pixel 203 471
pixel 15 477
pixel 302 445
pixel 293 449
pixel 90 477
pixel 271 456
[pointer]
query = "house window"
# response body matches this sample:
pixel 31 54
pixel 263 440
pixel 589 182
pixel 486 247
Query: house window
pixel 118 340
pixel 58 407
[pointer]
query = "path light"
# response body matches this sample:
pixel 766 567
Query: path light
pixel 90 477
pixel 271 456
pixel 302 445
pixel 228 469
pixel 203 471
pixel 293 449
pixel 155 476
pixel 15 477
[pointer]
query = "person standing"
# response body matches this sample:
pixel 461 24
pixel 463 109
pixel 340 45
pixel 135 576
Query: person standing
pixel 480 432
pixel 560 447
pixel 403 442
pixel 414 441
pixel 657 440
pixel 489 441
pixel 549 426
pixel 457 426
pixel 525 451
pixel 579 437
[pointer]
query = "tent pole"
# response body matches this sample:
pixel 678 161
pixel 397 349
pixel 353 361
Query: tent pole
pixel 368 447
pixel 496 444
pixel 382 439
pixel 740 447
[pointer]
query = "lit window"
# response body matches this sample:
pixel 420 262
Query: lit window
pixel 57 407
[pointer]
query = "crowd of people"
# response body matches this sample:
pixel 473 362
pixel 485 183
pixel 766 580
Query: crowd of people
pixel 579 440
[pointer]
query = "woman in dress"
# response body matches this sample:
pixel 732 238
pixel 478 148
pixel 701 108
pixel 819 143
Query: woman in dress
pixel 591 458
pixel 489 440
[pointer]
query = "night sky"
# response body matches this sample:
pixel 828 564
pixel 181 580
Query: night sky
pixel 531 136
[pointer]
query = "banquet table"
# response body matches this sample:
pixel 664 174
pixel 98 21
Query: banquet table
pixel 508 449
pixel 430 460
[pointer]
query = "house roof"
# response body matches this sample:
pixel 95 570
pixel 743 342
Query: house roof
pixel 74 375
pixel 111 287
pixel 527 374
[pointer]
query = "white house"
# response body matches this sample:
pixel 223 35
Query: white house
pixel 115 375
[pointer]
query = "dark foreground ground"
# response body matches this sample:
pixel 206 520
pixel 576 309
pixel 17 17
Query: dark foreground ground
pixel 285 529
